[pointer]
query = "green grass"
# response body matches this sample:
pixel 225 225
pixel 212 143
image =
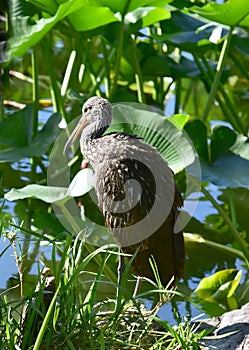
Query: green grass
pixel 78 318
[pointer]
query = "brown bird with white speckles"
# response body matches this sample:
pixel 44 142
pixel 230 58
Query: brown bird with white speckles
pixel 136 193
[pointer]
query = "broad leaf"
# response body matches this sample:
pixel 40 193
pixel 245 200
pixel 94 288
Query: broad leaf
pixel 47 194
pixel 229 170
pixel 81 183
pixel 28 33
pixel 219 286
pixel 189 33
pixel 18 127
pixel 197 131
pixel 124 7
pixel 229 155
pixel 148 15
pixel 216 293
pixel 156 130
pixel 89 17
pixel 221 139
pixel 231 13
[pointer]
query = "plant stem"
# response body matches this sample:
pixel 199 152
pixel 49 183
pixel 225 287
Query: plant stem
pixel 232 208
pixel 35 91
pixel 57 101
pixel 228 221
pixel 118 58
pixel 217 76
pixel 107 69
pixel 225 103
pixel 178 95
pixel 240 66
pixel 196 238
pixel 49 314
pixel 138 73
pixel 68 73
pixel 35 98
pixel 119 50
pixel 100 75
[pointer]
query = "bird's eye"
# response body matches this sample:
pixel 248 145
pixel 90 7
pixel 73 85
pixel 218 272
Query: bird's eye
pixel 86 109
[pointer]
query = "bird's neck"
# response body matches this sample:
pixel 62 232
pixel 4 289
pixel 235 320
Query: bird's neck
pixel 90 141
pixel 97 133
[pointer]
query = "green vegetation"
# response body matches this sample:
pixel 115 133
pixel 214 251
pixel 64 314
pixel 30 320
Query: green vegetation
pixel 188 58
pixel 78 320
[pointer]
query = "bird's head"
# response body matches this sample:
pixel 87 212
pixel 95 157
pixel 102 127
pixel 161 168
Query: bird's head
pixel 96 114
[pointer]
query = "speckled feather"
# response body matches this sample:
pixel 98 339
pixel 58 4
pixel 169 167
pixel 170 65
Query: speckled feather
pixel 117 158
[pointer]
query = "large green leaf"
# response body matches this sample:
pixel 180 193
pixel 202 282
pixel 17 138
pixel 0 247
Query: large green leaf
pixel 83 15
pixel 29 32
pixel 241 146
pixel 81 184
pixel 91 14
pixel 148 15
pixel 124 6
pixel 16 129
pixel 197 131
pixel 16 132
pixel 47 194
pixel 89 17
pixel 49 6
pixel 219 286
pixel 231 13
pixel 229 163
pixel 188 33
pixel 156 130
pixel 222 139
pixel 229 170
pixel 216 292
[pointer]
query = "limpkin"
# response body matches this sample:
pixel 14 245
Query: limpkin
pixel 136 193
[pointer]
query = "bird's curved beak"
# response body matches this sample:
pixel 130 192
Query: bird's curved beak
pixel 76 132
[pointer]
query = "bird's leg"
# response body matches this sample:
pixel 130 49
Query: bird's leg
pixel 138 282
pixel 121 268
